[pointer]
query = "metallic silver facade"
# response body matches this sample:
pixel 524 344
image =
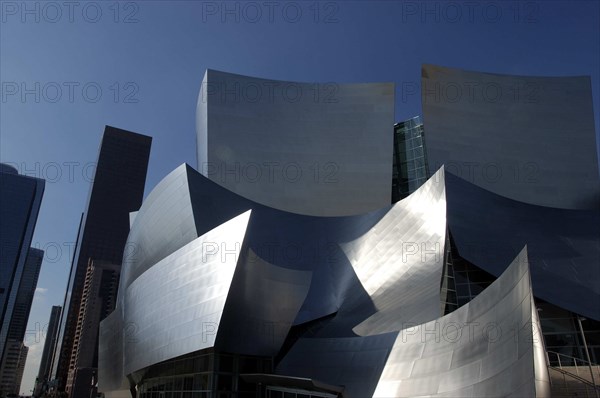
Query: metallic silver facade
pixel 176 306
pixel 173 308
pixel 531 139
pixel 179 209
pixel 166 212
pixel 399 260
pixel 265 299
pixel 489 347
pixel 307 148
pixel 367 275
pixel 329 281
pixel 112 332
pixel 368 280
pixel 563 245
pixel 522 169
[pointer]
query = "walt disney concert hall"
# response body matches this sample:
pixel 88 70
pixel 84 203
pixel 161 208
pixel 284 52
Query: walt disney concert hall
pixel 319 249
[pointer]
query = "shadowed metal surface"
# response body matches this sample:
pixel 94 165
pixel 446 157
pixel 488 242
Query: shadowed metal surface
pixel 322 149
pixel 486 348
pixel 264 301
pixel 353 362
pixel 527 138
pixel 563 245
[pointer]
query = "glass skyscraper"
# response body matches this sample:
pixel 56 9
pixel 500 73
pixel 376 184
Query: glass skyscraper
pixel 117 190
pixel 410 169
pixel 49 344
pixel 20 200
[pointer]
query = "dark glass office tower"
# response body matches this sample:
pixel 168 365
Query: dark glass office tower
pixel 20 199
pixel 49 345
pixel 15 354
pixel 29 279
pixel 117 190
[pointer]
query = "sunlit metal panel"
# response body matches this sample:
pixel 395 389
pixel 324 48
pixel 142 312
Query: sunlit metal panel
pixel 175 307
pixel 489 347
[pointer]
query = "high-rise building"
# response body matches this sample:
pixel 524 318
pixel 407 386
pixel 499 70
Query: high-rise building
pixel 29 279
pixel 97 301
pixel 410 158
pixel 11 371
pixel 13 363
pixel 20 200
pixel 21 367
pixel 117 190
pixel 49 344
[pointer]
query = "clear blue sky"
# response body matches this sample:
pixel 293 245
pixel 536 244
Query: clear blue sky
pixel 147 58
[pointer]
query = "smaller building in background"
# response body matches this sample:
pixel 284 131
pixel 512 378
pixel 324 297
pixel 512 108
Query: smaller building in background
pixel 13 365
pixel 41 384
pixel 97 301
pixel 22 308
pixel 410 169
pixel 15 354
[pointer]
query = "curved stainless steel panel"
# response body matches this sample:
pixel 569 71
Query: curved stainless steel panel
pixel 306 148
pixel 176 306
pixel 542 376
pixel 110 354
pixel 322 251
pixel 292 269
pixel 164 223
pixel 387 274
pixel 374 274
pixel 265 299
pixel 489 230
pixel 399 260
pixel 178 210
pixel 530 139
pixel 486 348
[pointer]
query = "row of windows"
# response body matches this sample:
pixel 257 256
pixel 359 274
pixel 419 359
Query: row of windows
pixel 196 394
pixel 198 383
pixel 200 373
pixel 274 392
